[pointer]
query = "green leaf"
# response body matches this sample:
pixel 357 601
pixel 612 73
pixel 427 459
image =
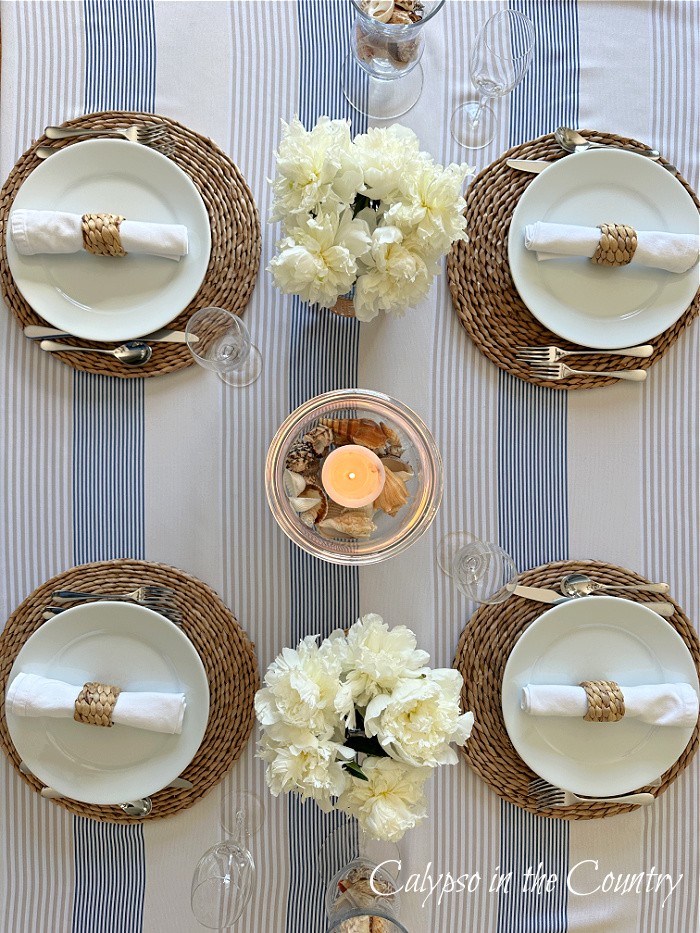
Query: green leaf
pixel 355 770
pixel 359 742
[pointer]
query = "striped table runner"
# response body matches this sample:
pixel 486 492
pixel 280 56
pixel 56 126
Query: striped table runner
pixel 170 469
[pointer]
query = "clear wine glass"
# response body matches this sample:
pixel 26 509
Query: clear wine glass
pixel 223 879
pixel 382 75
pixel 499 59
pixel 483 571
pixel 219 341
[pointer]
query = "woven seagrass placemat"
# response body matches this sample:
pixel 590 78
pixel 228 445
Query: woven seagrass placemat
pixel 482 653
pixel 226 652
pixel 484 294
pixel 235 239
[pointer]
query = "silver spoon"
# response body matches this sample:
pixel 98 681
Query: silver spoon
pixel 572 141
pixel 578 584
pixel 132 353
pixel 137 807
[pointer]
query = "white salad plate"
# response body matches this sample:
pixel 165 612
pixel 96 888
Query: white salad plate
pixel 103 297
pixel 133 648
pixel 596 638
pixel 592 305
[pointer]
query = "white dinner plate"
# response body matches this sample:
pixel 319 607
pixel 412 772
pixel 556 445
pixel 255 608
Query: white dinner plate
pixel 592 305
pixel 133 648
pixel 102 297
pixel 596 638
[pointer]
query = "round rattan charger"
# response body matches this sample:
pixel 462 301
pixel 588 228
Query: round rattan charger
pixel 235 239
pixel 484 294
pixel 482 653
pixel 226 652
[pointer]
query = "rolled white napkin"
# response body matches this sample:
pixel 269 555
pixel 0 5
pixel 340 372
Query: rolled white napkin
pixel 60 232
pixel 656 704
pixel 674 252
pixel 34 695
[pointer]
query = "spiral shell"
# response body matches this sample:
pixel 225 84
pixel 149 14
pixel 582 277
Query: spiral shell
pixel 302 458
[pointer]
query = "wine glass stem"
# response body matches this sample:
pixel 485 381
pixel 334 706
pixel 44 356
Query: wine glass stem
pixel 479 109
pixel 238 834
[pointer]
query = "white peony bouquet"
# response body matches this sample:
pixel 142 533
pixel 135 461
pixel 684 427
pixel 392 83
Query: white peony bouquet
pixel 374 213
pixel 359 722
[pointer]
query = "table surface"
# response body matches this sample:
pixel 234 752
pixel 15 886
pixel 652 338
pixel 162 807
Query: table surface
pixel 170 469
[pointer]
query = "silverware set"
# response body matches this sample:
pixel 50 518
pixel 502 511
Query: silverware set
pixel 130 353
pixel 153 135
pixel 545 361
pixel 548 796
pixel 576 585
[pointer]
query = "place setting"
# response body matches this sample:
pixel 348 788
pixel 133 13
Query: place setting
pixel 581 244
pixel 583 680
pixel 117 680
pixel 115 228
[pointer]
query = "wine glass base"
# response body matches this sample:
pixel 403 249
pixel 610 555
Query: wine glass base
pixel 466 132
pixel 247 374
pixel 448 547
pixel 243 814
pixel 380 98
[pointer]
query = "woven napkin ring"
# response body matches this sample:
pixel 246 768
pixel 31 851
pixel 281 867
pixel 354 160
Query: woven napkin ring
pixel 95 704
pixel 101 234
pixel 617 245
pixel 605 701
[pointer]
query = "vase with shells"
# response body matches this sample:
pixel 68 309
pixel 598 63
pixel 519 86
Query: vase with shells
pixel 304 505
pixel 382 74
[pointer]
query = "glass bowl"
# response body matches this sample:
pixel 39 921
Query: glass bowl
pixel 393 533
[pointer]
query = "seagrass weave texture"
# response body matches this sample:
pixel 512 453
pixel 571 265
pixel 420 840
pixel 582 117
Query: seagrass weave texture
pixel 617 245
pixel 95 704
pixel 482 653
pixel 235 240
pixel 483 292
pixel 606 702
pixel 226 652
pixel 101 234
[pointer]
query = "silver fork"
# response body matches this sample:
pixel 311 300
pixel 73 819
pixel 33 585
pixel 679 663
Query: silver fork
pixel 165 147
pixel 160 598
pixel 547 795
pixel 561 371
pixel 145 133
pixel 554 354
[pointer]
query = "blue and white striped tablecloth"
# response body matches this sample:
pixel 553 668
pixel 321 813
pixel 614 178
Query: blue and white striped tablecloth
pixel 170 469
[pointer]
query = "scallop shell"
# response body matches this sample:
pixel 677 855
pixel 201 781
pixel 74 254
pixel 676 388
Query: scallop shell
pixel 394 495
pixel 320 438
pixel 354 523
pixel 294 483
pixel 301 457
pixel 318 509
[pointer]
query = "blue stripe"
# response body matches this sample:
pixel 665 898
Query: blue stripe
pixel 108 458
pixel 323 356
pixel 532 478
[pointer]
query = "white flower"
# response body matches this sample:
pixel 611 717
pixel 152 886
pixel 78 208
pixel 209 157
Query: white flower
pixel 418 720
pixel 308 765
pixel 385 154
pixel 318 260
pixel 377 657
pixel 431 207
pixel 303 690
pixel 396 278
pixel 317 169
pixel 390 802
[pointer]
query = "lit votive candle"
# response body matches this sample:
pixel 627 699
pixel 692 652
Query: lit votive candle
pixel 352 476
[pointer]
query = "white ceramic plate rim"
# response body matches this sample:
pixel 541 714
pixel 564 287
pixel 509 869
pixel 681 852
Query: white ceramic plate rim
pixel 143 779
pixel 547 762
pixel 44 189
pixel 571 322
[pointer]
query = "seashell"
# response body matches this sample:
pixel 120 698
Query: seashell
pixel 294 483
pixel 392 445
pixel 334 510
pixel 362 431
pixel 400 18
pixel 304 503
pixel 397 466
pixel 394 495
pixel 318 509
pixel 301 458
pixel 354 523
pixel 379 9
pixel 320 438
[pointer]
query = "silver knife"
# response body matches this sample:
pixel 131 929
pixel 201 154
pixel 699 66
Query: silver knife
pixel 541 595
pixel 529 165
pixel 35 332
